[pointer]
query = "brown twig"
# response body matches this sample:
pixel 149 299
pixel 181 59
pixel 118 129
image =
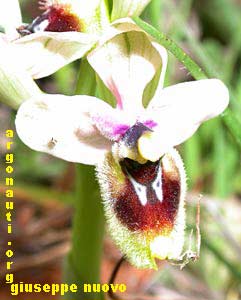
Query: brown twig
pixel 113 277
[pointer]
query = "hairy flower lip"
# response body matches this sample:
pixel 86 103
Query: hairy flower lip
pixel 141 247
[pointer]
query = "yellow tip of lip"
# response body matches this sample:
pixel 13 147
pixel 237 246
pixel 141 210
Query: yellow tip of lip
pixel 147 147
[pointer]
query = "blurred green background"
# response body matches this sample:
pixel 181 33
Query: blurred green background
pixel 210 32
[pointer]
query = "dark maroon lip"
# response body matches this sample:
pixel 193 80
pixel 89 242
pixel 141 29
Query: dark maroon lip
pixel 142 173
pixel 58 18
pixel 155 216
pixel 61 20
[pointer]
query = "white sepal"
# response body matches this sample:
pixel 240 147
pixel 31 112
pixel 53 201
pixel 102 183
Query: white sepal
pixel 43 53
pixel 62 126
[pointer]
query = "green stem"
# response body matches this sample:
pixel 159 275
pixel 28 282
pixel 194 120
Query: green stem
pixel 192 158
pixel 83 263
pixel 231 122
pixel 221 180
pixel 170 45
pixel 155 9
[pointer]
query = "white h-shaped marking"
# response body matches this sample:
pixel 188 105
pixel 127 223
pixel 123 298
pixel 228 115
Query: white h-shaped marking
pixel 157 184
pixel 141 190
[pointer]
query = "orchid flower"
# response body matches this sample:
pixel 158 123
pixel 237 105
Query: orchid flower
pixel 66 31
pixel 141 175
